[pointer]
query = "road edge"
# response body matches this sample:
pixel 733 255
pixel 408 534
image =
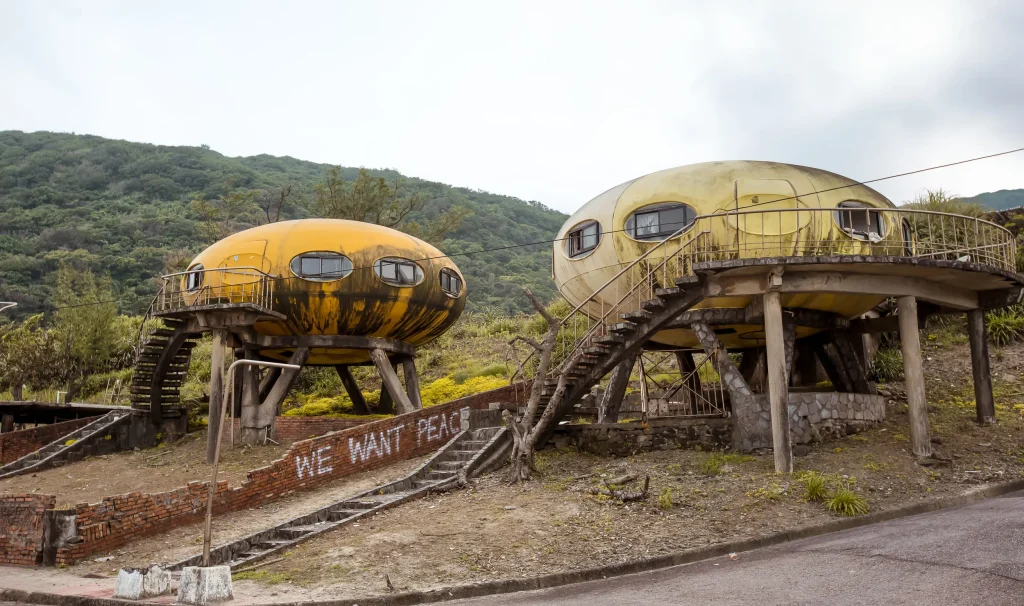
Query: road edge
pixel 558 579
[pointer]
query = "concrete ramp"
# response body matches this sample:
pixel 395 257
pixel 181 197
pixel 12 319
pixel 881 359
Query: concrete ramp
pixel 71 447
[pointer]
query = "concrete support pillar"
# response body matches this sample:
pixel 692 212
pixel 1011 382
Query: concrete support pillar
pixel 688 372
pixel 978 336
pixel 352 388
pixel 917 402
pixel 267 410
pixel 252 432
pixel 610 404
pixel 267 383
pixel 216 391
pixel 778 381
pixel 390 381
pixel 412 382
pixel 7 423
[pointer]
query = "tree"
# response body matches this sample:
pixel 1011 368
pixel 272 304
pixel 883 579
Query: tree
pixel 526 433
pixel 84 324
pixel 234 210
pixel 27 356
pixel 273 202
pixel 374 200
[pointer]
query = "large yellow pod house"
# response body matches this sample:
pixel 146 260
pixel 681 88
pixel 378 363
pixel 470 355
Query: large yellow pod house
pixel 333 278
pixel 726 209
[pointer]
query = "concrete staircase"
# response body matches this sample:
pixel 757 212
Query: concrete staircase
pixel 83 442
pixel 160 367
pixel 470 452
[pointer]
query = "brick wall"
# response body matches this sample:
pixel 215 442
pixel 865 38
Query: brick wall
pixel 301 428
pixel 16 444
pixel 21 528
pixel 308 464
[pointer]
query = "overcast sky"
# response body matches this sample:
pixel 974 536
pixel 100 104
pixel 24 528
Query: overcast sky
pixel 550 101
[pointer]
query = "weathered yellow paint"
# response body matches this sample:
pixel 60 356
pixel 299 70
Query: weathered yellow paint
pixel 718 187
pixel 359 304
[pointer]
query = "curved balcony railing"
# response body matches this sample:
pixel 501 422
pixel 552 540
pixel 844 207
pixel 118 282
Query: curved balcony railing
pixel 221 286
pixel 794 232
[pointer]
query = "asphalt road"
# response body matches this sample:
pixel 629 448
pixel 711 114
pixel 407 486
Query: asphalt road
pixel 967 555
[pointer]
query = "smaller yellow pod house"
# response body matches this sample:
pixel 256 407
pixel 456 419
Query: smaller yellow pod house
pixel 321 292
pixel 334 277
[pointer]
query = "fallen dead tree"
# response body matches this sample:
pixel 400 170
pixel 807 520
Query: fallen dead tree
pixel 625 496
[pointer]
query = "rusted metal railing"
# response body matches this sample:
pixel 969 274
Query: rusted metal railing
pixel 221 286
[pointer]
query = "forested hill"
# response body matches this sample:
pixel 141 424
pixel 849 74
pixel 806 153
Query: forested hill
pixel 126 209
pixel 1000 200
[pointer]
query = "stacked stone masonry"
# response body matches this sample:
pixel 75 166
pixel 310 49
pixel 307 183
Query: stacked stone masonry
pixel 625 439
pixel 117 520
pixel 813 416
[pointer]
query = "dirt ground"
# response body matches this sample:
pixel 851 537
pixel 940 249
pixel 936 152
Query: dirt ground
pixel 170 465
pixel 495 531
pixel 184 541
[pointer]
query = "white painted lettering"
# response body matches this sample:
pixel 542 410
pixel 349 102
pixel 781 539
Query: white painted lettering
pixel 321 460
pixel 421 426
pixel 305 462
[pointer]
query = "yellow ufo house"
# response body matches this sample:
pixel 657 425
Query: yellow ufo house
pixel 319 292
pixel 617 227
pixel 333 277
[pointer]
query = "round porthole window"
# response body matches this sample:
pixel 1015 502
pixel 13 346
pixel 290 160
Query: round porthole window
pixel 322 266
pixel 397 271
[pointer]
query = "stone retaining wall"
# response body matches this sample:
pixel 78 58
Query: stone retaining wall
pixel 811 416
pixel 116 520
pixel 16 444
pixel 624 439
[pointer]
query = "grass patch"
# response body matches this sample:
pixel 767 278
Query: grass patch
pixel 846 502
pixel 888 364
pixel 815 488
pixel 665 499
pixel 263 576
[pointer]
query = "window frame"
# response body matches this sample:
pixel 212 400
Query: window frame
pixel 298 260
pixel 450 274
pixel 198 272
pixel 398 262
pixel 630 226
pixel 872 212
pixel 575 238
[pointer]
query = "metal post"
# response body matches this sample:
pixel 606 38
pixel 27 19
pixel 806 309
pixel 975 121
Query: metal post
pixel 208 528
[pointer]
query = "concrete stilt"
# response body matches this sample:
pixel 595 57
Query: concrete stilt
pixel 979 365
pixel 412 382
pixel 778 381
pixel 268 408
pixel 352 388
pixel 611 401
pixel 251 431
pixel 391 382
pixel 917 402
pixel 216 390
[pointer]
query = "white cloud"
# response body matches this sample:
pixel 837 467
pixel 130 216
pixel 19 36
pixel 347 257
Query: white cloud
pixel 548 101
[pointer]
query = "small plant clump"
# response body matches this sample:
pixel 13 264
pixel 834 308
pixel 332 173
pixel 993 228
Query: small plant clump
pixel 665 499
pixel 888 364
pixel 1006 326
pixel 845 502
pixel 815 489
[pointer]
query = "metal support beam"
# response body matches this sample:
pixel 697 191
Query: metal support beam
pixel 352 388
pixel 979 366
pixel 611 402
pixel 391 382
pixel 913 373
pixel 688 370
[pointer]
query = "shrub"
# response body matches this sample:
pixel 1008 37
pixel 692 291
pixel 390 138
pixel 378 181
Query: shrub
pixel 814 487
pixel 446 389
pixel 845 502
pixel 665 499
pixel 888 364
pixel 1006 325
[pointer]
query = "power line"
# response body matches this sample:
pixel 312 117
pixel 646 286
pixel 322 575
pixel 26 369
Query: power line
pixel 611 231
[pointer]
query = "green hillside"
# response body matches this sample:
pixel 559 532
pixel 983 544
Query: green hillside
pixel 1000 200
pixel 125 209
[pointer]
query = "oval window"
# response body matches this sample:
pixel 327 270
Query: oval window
pixel 582 239
pixel 321 266
pixel 398 271
pixel 658 221
pixel 860 220
pixel 194 277
pixel 451 283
